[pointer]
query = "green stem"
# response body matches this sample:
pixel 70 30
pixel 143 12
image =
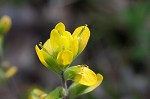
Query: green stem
pixel 1 49
pixel 64 84
pixel 13 85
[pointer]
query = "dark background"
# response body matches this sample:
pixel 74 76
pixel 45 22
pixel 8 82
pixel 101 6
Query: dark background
pixel 119 46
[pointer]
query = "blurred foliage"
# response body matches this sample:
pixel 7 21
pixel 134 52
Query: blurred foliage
pixel 136 19
pixel 128 33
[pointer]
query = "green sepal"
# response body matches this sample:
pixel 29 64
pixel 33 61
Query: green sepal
pixel 57 93
pixel 52 64
pixel 77 89
pixel 71 72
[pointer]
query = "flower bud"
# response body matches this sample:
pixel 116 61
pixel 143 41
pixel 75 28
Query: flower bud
pixel 5 24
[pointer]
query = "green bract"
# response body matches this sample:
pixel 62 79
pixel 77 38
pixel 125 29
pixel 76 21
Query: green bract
pixel 85 80
pixel 77 89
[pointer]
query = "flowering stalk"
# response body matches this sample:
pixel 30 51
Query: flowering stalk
pixel 57 53
pixel 5 24
pixel 64 84
pixel 1 49
pixel 7 71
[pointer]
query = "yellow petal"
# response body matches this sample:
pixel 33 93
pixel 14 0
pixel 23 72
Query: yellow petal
pixel 55 40
pixel 75 46
pixel 69 39
pixel 83 34
pixel 84 39
pixel 40 56
pixel 59 42
pixel 77 31
pixel 11 71
pixel 48 47
pixel 65 44
pixel 68 35
pixel 65 57
pixel 86 76
pixel 60 27
pixel 99 81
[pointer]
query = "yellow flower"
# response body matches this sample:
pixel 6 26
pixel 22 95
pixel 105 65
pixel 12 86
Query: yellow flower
pixel 85 80
pixel 63 47
pixel 37 94
pixel 83 75
pixel 99 81
pixel 5 24
pixel 82 33
pixel 11 71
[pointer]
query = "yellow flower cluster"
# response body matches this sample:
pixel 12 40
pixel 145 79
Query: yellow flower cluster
pixel 58 52
pixel 63 46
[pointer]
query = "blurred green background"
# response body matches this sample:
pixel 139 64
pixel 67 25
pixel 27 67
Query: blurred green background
pixel 119 46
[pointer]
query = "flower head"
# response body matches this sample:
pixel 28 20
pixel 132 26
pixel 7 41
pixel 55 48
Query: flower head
pixel 5 24
pixel 63 47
